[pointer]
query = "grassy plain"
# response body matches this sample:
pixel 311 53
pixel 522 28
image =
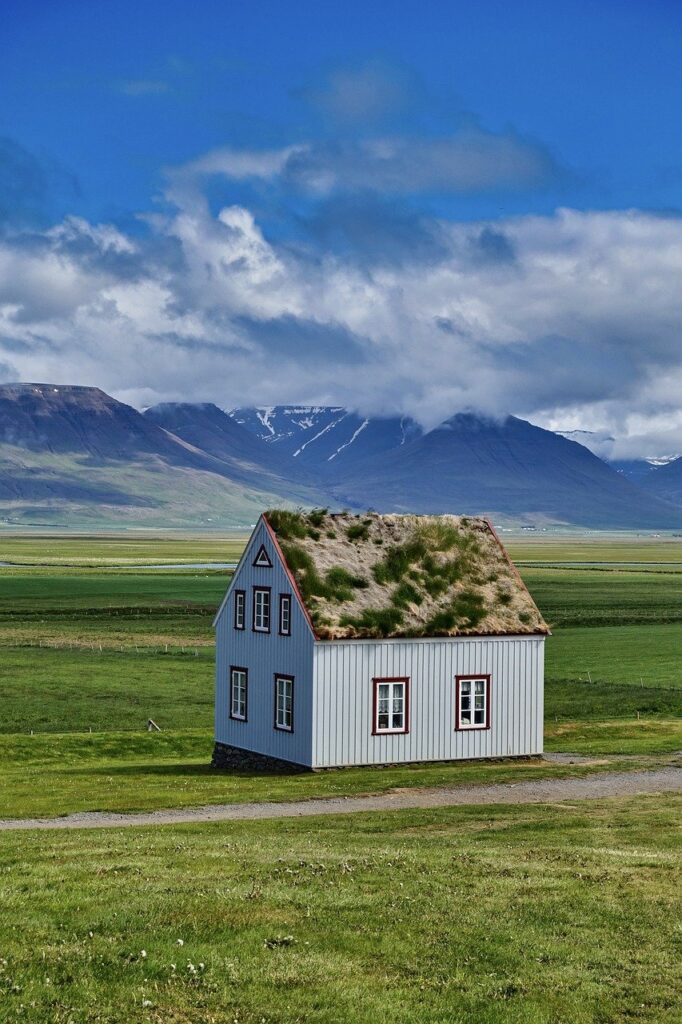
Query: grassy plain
pixel 507 915
pixel 115 549
pixel 375 918
pixel 104 649
pixel 129 771
pixel 595 548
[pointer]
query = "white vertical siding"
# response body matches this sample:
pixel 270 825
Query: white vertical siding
pixel 343 699
pixel 264 654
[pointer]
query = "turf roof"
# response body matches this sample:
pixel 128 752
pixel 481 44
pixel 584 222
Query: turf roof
pixel 374 576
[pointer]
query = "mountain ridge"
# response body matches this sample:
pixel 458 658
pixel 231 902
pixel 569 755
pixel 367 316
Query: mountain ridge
pixel 74 454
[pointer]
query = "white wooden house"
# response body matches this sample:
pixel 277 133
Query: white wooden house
pixel 357 640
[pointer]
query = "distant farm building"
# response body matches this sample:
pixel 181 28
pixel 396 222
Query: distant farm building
pixel 358 640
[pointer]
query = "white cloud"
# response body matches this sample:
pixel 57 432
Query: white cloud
pixel 470 160
pixel 572 320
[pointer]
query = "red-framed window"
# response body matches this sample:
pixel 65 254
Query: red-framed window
pixel 284 702
pixel 261 610
pixel 391 705
pixel 285 614
pixel 239 692
pixel 240 609
pixel 472 702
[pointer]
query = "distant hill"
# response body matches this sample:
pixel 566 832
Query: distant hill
pixel 243 457
pixel 506 468
pixel 666 481
pixel 602 445
pixel 325 439
pixel 75 455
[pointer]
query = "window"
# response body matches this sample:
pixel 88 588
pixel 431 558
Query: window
pixel 239 682
pixel 285 614
pixel 284 703
pixel 239 609
pixel 473 702
pixel 262 559
pixel 261 609
pixel 391 699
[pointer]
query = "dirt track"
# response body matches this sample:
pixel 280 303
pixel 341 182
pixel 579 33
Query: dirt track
pixel 592 787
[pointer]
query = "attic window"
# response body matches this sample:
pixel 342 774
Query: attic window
pixel 239 609
pixel 261 609
pixel 262 559
pixel 285 614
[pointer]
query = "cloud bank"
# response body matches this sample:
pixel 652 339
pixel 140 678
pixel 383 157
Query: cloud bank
pixel 572 320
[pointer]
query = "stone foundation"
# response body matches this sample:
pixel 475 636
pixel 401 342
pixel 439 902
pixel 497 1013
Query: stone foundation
pixel 226 758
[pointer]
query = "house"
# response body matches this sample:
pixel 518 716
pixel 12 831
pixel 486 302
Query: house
pixel 376 639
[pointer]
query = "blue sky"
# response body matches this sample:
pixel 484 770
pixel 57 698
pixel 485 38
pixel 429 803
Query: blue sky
pixel 108 93
pixel 256 201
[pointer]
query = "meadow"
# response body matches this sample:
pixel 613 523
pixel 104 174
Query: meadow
pixel 378 918
pixel 507 915
pixel 92 649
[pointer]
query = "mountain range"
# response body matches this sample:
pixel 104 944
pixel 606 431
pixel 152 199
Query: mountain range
pixel 74 455
pixel 602 445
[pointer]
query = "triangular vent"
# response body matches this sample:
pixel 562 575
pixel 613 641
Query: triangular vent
pixel 262 559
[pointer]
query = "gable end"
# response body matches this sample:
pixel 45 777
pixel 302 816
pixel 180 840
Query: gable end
pixel 260 540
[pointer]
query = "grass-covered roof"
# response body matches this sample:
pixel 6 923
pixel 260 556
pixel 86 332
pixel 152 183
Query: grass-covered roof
pixel 373 576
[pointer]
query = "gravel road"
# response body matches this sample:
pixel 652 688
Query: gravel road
pixel 592 787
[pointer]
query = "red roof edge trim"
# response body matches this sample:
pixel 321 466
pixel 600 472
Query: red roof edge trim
pixel 292 578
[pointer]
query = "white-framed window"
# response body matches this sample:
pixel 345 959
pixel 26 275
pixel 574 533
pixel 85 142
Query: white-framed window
pixel 239 686
pixel 239 609
pixel 473 702
pixel 285 614
pixel 391 705
pixel 261 609
pixel 284 703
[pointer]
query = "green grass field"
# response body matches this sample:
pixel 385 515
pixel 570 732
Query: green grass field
pixel 498 915
pixel 511 915
pixel 105 649
pixel 129 771
pixel 140 547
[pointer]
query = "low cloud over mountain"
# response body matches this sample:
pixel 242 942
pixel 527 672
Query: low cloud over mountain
pixel 570 319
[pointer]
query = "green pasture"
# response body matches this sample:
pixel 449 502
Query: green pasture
pixel 606 597
pixel 383 918
pixel 139 771
pixel 594 548
pixel 52 690
pixel 111 609
pixel 502 915
pixel 130 548
pixel 89 654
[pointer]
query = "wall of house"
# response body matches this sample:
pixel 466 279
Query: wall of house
pixel 264 654
pixel 343 699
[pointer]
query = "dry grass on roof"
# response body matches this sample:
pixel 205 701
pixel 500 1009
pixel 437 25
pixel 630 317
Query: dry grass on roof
pixel 376 576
